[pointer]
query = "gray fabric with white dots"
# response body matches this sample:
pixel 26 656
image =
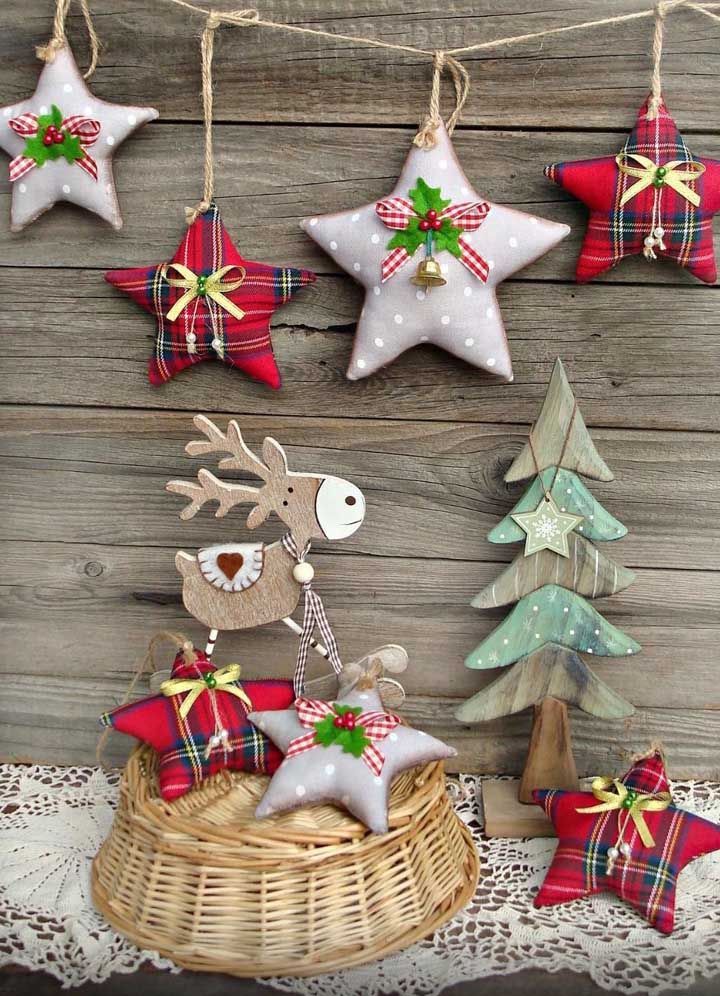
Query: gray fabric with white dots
pixel 61 83
pixel 463 316
pixel 328 774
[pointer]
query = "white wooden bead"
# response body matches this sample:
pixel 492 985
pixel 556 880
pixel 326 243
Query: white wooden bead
pixel 304 572
pixel 625 849
pixel 613 853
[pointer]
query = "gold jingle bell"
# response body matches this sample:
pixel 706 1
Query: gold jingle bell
pixel 428 274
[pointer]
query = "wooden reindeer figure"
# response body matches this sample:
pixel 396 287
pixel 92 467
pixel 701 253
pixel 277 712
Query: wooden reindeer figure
pixel 242 585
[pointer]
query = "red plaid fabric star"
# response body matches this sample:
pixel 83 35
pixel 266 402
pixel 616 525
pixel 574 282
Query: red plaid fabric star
pixel 211 303
pixel 643 874
pixel 652 198
pixel 215 732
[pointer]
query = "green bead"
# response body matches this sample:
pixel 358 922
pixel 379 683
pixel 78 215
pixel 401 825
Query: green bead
pixel 210 681
pixel 661 171
pixel 658 181
pixel 629 799
pixel 201 285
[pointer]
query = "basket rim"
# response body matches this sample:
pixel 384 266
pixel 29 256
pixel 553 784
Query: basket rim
pixel 269 836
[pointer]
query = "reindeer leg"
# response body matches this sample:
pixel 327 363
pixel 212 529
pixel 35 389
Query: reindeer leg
pixel 210 646
pixel 291 624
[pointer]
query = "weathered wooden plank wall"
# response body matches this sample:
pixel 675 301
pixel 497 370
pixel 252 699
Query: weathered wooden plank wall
pixel 88 534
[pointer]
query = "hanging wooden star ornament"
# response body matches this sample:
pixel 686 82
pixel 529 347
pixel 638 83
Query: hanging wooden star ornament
pixel 653 198
pixel 430 256
pixel 211 303
pixel 547 528
pixel 626 837
pixel 63 138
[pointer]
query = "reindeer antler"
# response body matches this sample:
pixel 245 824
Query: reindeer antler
pixel 241 458
pixel 210 488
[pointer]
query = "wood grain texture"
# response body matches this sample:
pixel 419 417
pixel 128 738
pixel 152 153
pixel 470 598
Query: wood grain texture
pixel 506 816
pixel 86 445
pixel 551 672
pixel 550 762
pixel 593 78
pixel 587 571
pixel 559 437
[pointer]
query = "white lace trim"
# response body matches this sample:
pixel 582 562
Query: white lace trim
pixel 54 820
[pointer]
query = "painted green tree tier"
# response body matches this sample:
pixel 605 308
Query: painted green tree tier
pixel 550 615
pixel 571 495
pixel 553 671
pixel 586 571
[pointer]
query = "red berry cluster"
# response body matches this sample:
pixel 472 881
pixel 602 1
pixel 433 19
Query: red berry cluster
pixel 345 722
pixel 430 220
pixel 53 136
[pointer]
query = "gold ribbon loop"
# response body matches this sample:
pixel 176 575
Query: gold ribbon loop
pixel 220 680
pixel 665 174
pixel 198 285
pixel 633 802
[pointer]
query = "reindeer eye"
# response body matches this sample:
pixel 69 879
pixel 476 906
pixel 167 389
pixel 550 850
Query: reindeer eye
pixel 350 500
pixel 285 503
pixel 290 491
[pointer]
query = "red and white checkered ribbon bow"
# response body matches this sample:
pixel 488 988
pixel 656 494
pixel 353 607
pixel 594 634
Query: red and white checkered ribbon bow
pixel 86 129
pixel 376 726
pixel 396 212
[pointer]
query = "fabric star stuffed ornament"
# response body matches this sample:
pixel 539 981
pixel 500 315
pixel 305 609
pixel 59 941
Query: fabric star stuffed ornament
pixel 211 303
pixel 62 140
pixel 346 752
pixel 652 198
pixel 624 837
pixel 199 723
pixel 389 246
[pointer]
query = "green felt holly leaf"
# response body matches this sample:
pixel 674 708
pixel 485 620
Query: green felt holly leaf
pixel 447 238
pixel 71 148
pixel 409 239
pixel 34 149
pixel 425 198
pixel 351 741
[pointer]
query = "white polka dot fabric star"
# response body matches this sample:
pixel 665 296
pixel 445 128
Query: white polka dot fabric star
pixel 475 243
pixel 62 140
pixel 330 774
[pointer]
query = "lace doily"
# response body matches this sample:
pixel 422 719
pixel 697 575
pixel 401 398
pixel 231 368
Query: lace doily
pixel 54 820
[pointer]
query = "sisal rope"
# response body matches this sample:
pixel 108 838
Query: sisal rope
pixel 442 60
pixel 48 51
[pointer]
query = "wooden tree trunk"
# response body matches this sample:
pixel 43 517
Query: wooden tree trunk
pixel 550 762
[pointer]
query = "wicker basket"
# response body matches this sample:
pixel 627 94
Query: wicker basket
pixel 203 882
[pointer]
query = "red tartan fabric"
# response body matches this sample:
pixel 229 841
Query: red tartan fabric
pixel 204 330
pixel 614 232
pixel 647 879
pixel 181 743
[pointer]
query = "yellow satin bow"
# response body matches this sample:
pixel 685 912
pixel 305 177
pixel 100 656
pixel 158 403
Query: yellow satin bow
pixel 633 802
pixel 212 286
pixel 219 681
pixel 666 174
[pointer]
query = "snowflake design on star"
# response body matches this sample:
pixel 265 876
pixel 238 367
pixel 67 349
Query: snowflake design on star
pixel 546 528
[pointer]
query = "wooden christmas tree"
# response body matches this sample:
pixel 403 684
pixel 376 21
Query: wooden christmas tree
pixel 552 623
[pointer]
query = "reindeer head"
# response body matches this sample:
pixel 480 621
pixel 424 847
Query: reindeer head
pixel 313 506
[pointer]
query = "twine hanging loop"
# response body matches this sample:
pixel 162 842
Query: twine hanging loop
pixel 49 50
pixel 426 138
pixel 215 18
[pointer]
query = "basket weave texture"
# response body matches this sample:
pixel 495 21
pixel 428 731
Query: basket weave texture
pixel 204 883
